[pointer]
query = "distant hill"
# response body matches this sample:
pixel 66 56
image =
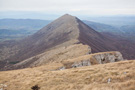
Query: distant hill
pixel 6 34
pixel 22 24
pixel 128 32
pixel 11 29
pixel 100 27
pixel 116 21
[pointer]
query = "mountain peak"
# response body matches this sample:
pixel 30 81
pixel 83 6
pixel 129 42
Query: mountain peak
pixel 67 16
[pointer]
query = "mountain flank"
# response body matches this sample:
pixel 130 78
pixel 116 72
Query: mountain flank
pixel 60 40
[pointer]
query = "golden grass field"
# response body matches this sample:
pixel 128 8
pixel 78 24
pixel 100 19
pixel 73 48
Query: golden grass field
pixel 95 77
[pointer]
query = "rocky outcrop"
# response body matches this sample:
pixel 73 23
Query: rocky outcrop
pixel 92 59
pixel 74 64
pixel 82 63
pixel 105 57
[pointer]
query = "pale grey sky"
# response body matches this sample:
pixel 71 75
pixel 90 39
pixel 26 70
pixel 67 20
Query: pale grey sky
pixel 82 7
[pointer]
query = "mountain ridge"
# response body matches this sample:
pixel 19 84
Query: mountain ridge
pixel 62 33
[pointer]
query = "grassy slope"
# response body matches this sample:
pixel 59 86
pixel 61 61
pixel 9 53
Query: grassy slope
pixel 85 78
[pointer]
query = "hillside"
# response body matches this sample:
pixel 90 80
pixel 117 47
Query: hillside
pixel 112 76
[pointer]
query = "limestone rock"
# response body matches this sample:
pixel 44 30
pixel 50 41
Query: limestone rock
pixel 92 59
pixel 106 57
pixel 81 63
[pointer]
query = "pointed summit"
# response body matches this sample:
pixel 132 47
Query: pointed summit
pixel 67 15
pixel 65 25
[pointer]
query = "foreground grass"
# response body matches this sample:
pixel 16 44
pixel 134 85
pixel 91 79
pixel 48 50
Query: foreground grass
pixel 112 76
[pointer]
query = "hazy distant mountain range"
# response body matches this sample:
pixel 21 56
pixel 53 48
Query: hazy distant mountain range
pixel 19 28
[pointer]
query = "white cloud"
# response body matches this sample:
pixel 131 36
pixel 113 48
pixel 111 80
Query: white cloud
pixel 94 7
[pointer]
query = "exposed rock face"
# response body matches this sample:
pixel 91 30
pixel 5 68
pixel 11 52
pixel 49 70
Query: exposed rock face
pixel 106 57
pixel 74 64
pixel 82 63
pixel 92 59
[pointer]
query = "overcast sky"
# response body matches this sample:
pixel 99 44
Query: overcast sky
pixel 81 7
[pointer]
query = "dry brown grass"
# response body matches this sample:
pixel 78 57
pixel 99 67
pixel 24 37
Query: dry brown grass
pixel 56 55
pixel 122 75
